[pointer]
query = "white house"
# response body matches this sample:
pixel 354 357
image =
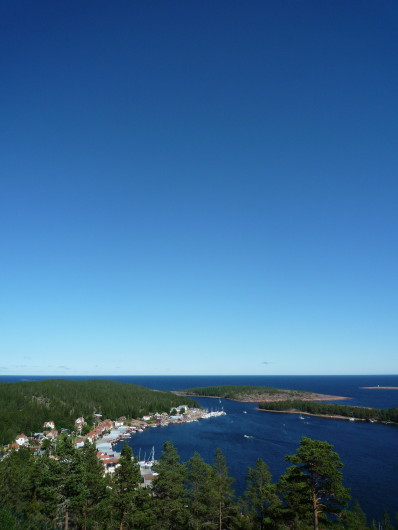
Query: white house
pixel 79 443
pixel 79 423
pixel 49 424
pixel 22 439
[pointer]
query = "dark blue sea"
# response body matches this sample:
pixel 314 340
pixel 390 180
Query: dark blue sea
pixel 369 451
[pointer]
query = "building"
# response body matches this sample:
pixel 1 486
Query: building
pixel 22 439
pixel 51 435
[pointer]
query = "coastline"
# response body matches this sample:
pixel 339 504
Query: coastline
pixel 327 416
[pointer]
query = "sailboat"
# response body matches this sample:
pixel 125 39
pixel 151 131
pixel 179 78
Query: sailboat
pixel 147 463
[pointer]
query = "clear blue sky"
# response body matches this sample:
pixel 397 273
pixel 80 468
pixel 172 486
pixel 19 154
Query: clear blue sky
pixel 199 187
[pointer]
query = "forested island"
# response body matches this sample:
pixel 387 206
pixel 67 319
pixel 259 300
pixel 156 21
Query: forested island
pixel 255 394
pixel 24 407
pixel 331 410
pixel 67 490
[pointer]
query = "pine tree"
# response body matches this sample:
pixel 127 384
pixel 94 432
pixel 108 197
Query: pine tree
pixel 49 484
pixel 226 508
pixel 126 484
pixel 95 487
pixel 386 521
pixel 16 484
pixel 168 488
pixel 201 493
pixel 296 507
pixel 260 494
pixel 354 519
pixel 318 466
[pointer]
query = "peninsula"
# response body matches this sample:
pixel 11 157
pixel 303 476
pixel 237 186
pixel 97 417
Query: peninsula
pixel 332 410
pixel 255 394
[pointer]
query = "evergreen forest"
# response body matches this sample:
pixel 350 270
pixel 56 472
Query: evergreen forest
pixel 24 407
pixel 67 490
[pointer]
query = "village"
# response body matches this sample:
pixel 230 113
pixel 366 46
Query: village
pixel 105 433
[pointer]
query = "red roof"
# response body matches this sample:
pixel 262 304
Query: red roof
pixel 111 461
pixel 22 436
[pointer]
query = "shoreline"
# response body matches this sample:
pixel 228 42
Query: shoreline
pixel 327 416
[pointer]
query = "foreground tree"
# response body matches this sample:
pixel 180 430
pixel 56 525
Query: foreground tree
pixel 16 472
pixel 354 519
pixel 227 511
pixel 200 493
pixel 296 507
pixel 168 488
pixel 316 477
pixel 94 502
pixel 126 487
pixel 260 496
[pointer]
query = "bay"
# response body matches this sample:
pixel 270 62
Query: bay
pixel 368 451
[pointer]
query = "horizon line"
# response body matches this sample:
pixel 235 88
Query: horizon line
pixel 197 375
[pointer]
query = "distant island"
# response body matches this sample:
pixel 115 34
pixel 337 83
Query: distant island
pixel 380 387
pixel 255 394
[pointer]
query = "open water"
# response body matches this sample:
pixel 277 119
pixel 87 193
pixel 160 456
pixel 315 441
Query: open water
pixel 369 451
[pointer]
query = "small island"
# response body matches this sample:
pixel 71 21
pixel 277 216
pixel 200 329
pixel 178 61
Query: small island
pixel 380 387
pixel 256 394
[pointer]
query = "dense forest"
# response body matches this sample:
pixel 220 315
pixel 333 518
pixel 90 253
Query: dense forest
pixel 247 392
pixel 24 407
pixel 330 409
pixel 68 490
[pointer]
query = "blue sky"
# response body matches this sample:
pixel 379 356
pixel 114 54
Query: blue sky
pixel 199 187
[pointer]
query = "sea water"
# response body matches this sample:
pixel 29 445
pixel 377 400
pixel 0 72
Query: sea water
pixel 368 451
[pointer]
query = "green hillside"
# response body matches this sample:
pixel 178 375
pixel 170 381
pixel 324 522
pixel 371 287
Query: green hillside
pixel 24 407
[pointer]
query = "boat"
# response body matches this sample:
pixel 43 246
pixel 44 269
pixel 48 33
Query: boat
pixel 213 414
pixel 245 412
pixel 147 463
